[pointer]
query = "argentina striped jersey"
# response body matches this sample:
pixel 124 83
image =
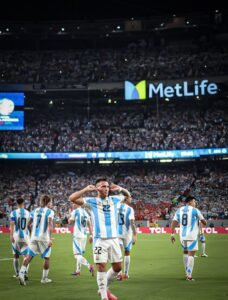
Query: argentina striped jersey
pixel 81 217
pixel 40 218
pixel 188 217
pixel 104 211
pixel 20 217
pixel 125 215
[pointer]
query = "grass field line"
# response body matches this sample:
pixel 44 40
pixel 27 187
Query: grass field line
pixel 6 258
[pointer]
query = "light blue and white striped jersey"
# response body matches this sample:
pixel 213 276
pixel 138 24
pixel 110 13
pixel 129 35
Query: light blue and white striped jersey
pixel 125 215
pixel 188 217
pixel 81 218
pixel 105 220
pixel 40 218
pixel 20 217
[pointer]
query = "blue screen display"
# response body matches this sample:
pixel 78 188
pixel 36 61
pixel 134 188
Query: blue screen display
pixel 11 115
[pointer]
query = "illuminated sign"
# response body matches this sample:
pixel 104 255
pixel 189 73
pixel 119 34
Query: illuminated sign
pixel 184 89
pixel 121 155
pixel 10 117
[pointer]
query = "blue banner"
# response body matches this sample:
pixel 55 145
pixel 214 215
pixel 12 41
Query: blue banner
pixel 121 155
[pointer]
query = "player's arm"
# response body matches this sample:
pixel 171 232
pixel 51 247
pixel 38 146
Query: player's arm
pixel 70 221
pixel 133 227
pixel 50 228
pixel 30 225
pixel 173 226
pixel 119 189
pixel 76 197
pixel 71 218
pixel 12 231
pixel 203 221
pixel 200 228
pixel 90 227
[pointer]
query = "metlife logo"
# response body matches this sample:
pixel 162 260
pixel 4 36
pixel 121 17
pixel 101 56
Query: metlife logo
pixel 177 90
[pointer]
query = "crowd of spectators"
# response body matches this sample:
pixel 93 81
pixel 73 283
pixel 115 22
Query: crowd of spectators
pixel 140 60
pixel 121 129
pixel 157 190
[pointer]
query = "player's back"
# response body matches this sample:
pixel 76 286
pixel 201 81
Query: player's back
pixel 20 217
pixel 40 218
pixel 81 217
pixel 125 215
pixel 188 217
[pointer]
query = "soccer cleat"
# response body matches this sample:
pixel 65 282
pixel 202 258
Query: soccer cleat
pixel 21 278
pixel 99 293
pixel 76 273
pixel 91 269
pixel 111 296
pixel 189 278
pixel 195 256
pixel 46 280
pixel 125 276
pixel 204 255
pixel 26 277
pixel 15 276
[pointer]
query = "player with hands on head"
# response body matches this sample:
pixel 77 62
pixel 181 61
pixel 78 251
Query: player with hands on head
pixel 106 245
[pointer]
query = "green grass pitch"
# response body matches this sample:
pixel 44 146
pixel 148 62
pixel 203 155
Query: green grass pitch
pixel 156 273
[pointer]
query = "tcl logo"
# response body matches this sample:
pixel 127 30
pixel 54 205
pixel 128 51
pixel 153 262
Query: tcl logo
pixel 62 230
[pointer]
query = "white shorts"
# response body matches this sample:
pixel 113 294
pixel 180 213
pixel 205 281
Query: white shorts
pixel 39 247
pixel 189 245
pixel 126 242
pixel 79 246
pixel 20 248
pixel 107 250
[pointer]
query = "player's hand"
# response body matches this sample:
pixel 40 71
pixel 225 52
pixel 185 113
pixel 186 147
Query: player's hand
pixel 172 238
pixel 50 243
pixel 115 188
pixel 90 188
pixel 134 239
pixel 90 239
pixel 12 239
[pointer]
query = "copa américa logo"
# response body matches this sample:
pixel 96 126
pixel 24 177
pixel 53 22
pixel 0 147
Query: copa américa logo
pixel 179 89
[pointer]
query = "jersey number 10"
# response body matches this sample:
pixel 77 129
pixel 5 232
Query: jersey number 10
pixel 21 223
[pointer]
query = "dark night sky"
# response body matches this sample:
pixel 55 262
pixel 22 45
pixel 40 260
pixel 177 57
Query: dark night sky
pixel 84 9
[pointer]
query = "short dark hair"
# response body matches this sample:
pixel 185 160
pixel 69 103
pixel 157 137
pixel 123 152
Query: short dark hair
pixel 100 179
pixel 20 201
pixel 189 198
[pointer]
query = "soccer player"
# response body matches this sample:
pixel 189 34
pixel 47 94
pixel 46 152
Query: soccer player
pixel 41 237
pixel 188 217
pixel 127 234
pixel 81 219
pixel 19 234
pixel 106 245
